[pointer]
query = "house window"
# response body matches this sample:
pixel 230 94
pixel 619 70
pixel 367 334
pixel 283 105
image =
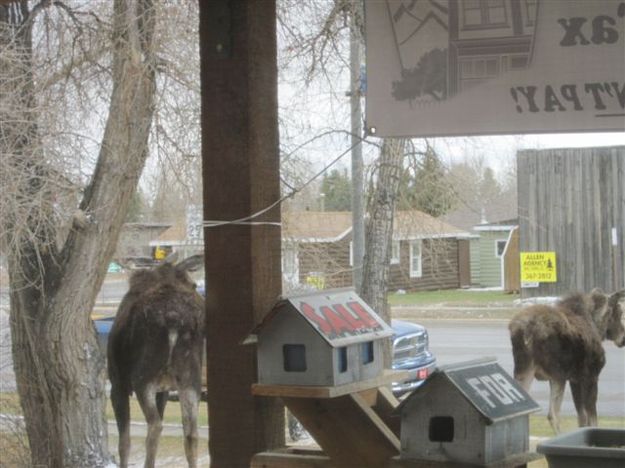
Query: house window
pixel 290 263
pixel 500 247
pixel 351 254
pixel 484 13
pixel 474 71
pixel 367 352
pixel 395 253
pixel 294 357
pixel 530 12
pixel 415 259
pixel 342 352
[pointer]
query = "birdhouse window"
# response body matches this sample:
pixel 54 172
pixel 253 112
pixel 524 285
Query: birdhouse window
pixel 294 357
pixel 441 429
pixel 342 359
pixel 367 352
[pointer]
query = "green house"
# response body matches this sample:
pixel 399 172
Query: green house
pixel 487 252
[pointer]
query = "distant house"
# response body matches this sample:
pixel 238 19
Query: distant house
pixel 134 240
pixel 488 252
pixel 176 239
pixel 426 252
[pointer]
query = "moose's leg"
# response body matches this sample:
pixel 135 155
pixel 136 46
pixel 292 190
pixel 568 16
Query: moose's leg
pixel 161 402
pixel 189 399
pixel 590 400
pixel 556 393
pixel 147 400
pixel 524 367
pixel 578 399
pixel 120 400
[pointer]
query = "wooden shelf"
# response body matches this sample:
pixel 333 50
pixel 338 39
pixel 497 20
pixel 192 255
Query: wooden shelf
pixel 296 391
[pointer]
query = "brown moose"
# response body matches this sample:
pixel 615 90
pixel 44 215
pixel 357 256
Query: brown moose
pixel 155 346
pixel 563 343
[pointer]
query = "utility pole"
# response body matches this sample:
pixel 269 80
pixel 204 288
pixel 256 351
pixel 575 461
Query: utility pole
pixel 358 212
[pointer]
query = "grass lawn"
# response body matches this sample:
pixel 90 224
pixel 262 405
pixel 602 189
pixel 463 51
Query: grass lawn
pixel 9 405
pixel 453 297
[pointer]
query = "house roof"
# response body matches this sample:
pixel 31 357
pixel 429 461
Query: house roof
pixel 505 225
pixel 486 386
pixel 339 316
pixel 316 226
pixel 331 226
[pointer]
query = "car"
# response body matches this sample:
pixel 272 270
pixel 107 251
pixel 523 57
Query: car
pixel 411 353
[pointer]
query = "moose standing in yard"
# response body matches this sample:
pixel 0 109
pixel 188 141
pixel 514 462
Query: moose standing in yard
pixel 564 342
pixel 155 346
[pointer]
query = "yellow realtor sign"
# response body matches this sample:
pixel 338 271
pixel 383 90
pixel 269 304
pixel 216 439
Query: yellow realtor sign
pixel 538 267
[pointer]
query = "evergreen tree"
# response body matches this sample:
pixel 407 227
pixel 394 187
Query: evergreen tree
pixel 428 189
pixel 337 190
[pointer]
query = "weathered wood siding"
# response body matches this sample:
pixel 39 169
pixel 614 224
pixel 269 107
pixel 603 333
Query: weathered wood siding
pixel 570 200
pixel 439 265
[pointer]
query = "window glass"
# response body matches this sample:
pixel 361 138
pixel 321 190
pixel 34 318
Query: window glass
pixel 415 259
pixel 500 247
pixel 395 252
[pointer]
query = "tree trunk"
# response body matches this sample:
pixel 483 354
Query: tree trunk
pixel 379 232
pixel 58 365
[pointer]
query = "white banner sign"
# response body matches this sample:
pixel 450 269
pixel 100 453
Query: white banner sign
pixel 467 67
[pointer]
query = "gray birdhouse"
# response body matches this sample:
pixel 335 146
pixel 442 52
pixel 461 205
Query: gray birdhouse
pixel 327 338
pixel 471 412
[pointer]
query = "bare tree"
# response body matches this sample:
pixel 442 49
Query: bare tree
pixel 379 230
pixel 54 278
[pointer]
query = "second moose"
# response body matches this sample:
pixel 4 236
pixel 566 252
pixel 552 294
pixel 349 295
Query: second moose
pixel 155 346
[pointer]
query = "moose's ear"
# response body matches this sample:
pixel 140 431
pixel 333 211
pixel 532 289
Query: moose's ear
pixel 171 258
pixel 192 263
pixel 599 298
pixel 616 297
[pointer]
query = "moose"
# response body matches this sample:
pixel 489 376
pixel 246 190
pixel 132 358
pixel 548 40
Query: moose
pixel 155 346
pixel 563 342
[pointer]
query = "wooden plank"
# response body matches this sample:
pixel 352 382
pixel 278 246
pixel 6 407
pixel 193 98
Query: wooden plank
pixel 314 458
pixel 385 405
pixel 297 391
pixel 346 428
pixel 292 458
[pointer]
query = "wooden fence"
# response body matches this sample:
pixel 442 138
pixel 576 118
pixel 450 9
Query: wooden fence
pixel 572 201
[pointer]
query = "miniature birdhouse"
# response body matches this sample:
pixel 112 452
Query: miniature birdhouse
pixel 471 412
pixel 327 338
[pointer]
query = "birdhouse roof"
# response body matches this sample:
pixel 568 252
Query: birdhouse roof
pixel 486 386
pixel 340 317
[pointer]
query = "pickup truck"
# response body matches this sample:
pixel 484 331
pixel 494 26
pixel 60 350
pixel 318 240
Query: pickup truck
pixel 411 352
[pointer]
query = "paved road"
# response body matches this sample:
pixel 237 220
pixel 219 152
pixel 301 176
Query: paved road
pixel 455 341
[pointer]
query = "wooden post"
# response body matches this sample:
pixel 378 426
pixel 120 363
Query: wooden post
pixel 241 177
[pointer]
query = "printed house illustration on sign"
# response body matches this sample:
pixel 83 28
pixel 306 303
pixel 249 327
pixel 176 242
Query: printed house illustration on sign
pixel 328 338
pixel 472 412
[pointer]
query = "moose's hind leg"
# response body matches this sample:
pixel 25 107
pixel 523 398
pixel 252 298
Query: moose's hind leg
pixel 578 399
pixel 189 407
pixel 147 401
pixel 120 400
pixel 524 366
pixel 556 393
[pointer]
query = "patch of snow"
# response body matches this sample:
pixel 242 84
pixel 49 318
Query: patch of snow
pixel 549 300
pixel 494 288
